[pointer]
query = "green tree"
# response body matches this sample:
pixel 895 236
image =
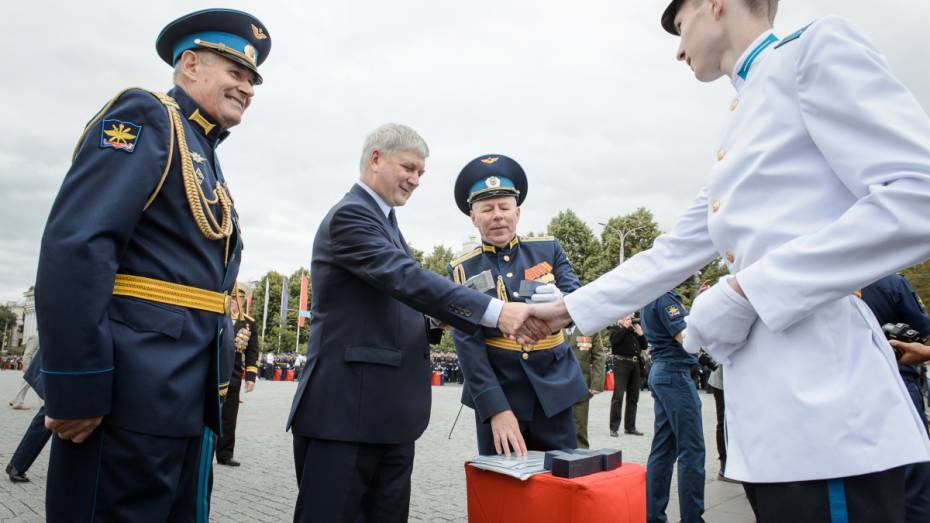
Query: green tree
pixel 577 240
pixel 438 260
pixel 7 322
pixel 273 281
pixel 919 276
pixel 641 231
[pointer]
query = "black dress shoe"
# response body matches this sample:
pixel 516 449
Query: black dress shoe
pixel 613 434
pixel 228 462
pixel 15 475
pixel 633 432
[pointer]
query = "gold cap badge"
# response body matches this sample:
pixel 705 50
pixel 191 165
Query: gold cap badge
pixel 492 181
pixel 489 161
pixel 250 53
pixel 258 32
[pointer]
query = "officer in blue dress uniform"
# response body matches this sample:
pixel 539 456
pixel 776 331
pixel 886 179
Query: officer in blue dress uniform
pixel 893 300
pixel 139 255
pixel 678 430
pixel 522 395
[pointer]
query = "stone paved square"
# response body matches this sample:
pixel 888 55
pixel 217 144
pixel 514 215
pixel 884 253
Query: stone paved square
pixel 264 488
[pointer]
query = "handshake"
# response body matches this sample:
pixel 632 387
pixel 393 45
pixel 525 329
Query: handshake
pixel 526 324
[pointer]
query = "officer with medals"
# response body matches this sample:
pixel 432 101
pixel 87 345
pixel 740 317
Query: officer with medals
pixel 138 258
pixel 522 395
pixel 819 186
pixel 245 366
pixel 593 362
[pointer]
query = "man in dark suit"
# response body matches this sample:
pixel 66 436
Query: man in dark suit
pixel 364 397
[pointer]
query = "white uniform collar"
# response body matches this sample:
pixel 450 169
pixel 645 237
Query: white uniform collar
pixel 385 208
pixel 751 56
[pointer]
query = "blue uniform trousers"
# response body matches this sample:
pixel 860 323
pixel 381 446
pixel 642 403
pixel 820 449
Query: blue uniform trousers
pixel 678 436
pixel 917 475
pixel 120 475
pixel 33 442
pixel 540 433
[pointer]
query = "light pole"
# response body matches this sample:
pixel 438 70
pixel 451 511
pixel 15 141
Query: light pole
pixel 622 234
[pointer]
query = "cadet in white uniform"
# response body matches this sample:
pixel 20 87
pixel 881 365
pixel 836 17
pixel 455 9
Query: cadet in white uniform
pixel 821 185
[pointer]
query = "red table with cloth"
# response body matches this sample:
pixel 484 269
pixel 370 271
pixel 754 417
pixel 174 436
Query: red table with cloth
pixel 617 496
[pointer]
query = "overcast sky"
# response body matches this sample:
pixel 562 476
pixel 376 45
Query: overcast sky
pixel 585 95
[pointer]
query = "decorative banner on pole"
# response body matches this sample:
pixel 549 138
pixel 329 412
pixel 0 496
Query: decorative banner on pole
pixel 302 311
pixel 284 303
pixel 265 314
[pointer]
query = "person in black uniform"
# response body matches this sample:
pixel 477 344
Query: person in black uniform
pixel 522 394
pixel 245 364
pixel 893 300
pixel 36 435
pixel 627 342
pixel 138 257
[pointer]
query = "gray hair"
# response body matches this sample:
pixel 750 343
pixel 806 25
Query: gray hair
pixel 390 139
pixel 203 54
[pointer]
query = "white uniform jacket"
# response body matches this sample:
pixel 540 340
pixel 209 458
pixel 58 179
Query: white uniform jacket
pixel 821 186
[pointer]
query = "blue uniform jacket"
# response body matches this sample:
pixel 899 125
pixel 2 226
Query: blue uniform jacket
pixel 367 376
pixel 893 300
pixel 662 319
pixel 499 379
pixel 150 367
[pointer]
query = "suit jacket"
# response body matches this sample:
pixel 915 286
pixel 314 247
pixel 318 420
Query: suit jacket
pixel 367 377
pixel 122 208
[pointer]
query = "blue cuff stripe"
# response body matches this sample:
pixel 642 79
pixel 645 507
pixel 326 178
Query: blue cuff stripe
pixel 75 372
pixel 837 496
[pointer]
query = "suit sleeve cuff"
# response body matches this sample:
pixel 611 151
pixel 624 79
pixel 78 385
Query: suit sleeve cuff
pixel 490 402
pixel 78 395
pixel 492 313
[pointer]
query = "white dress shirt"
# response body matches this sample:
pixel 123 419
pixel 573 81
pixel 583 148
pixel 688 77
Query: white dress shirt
pixel 821 185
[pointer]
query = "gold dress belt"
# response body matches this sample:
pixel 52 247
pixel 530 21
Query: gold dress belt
pixel 171 293
pixel 549 342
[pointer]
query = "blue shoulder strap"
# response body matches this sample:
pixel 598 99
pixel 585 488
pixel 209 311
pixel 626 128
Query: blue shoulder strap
pixel 793 36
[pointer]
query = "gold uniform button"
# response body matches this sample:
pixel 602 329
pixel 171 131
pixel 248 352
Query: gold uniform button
pixel 526 356
pixel 720 154
pixel 730 257
pixel 734 104
pixel 510 275
pixel 506 258
pixel 715 206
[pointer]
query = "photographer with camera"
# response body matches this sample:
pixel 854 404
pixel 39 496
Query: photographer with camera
pixel 627 343
pixel 904 319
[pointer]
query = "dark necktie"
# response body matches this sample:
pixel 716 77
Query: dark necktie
pixel 392 218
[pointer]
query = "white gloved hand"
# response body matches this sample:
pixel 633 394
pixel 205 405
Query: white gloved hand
pixel 547 293
pixel 720 321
